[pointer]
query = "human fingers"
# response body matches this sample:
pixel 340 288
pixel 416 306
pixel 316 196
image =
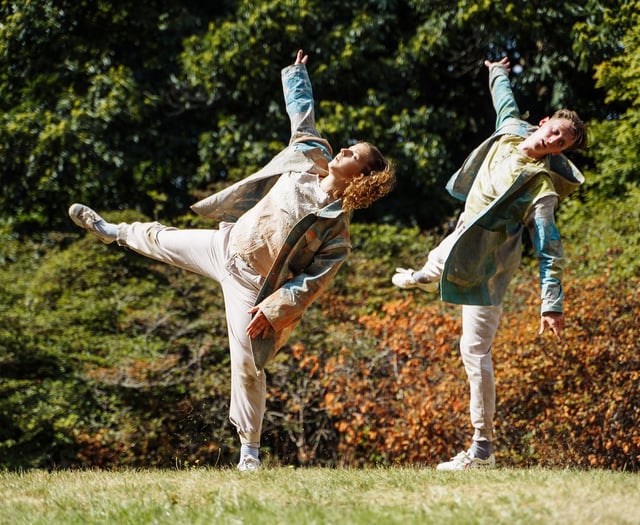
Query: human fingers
pixel 555 324
pixel 504 61
pixel 301 58
pixel 259 325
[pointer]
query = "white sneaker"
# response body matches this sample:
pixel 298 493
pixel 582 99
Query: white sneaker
pixel 248 463
pixel 89 220
pixel 403 278
pixel 466 461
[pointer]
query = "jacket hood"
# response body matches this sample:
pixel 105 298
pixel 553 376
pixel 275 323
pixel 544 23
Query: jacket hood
pixel 564 174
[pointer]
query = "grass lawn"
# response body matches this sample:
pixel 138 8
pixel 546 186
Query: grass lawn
pixel 319 496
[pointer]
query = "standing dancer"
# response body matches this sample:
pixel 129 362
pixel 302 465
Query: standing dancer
pixel 513 181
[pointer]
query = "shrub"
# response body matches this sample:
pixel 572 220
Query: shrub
pixel 107 358
pixel 559 404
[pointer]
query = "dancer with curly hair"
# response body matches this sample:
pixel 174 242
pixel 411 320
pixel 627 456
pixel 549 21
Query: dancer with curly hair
pixel 282 236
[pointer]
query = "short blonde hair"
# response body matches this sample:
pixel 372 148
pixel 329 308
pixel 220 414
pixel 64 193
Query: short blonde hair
pixel 579 128
pixel 376 181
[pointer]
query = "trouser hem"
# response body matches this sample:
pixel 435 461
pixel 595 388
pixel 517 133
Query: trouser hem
pixel 250 438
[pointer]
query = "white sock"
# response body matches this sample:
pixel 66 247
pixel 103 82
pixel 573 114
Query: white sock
pixel 247 450
pixel 106 228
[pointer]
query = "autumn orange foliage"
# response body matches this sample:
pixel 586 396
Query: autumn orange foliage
pixel 565 403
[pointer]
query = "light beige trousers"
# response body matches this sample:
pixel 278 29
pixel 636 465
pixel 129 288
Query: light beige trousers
pixel 206 252
pixel 479 327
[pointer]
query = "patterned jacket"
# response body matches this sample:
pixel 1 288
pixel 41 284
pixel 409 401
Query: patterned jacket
pixel 316 247
pixel 494 238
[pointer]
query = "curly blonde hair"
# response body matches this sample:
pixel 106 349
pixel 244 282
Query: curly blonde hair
pixel 376 181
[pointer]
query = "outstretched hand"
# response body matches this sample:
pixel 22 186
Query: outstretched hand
pixel 301 58
pixel 554 321
pixel 504 61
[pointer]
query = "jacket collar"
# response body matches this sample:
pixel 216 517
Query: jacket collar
pixel 331 210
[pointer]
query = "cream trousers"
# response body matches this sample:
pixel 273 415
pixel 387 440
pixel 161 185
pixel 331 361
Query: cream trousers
pixel 479 326
pixel 206 252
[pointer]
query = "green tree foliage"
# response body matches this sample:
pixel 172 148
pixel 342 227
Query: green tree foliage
pixel 615 139
pixel 147 105
pixel 88 109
